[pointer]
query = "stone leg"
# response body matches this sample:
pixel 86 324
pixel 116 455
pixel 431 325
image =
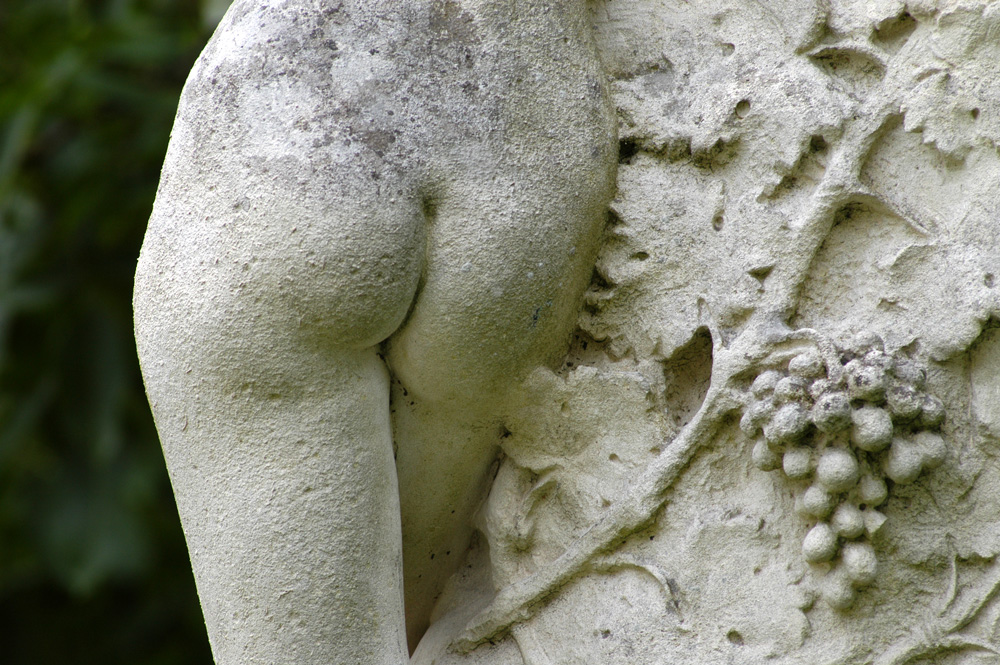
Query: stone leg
pixel 272 405
pixel 444 462
pixel 294 526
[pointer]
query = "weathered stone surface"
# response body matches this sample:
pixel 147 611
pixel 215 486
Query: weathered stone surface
pixel 773 436
pixel 423 181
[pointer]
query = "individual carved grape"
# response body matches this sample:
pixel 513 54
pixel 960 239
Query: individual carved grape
pixel 878 358
pixel 863 342
pixel 838 591
pixel 837 470
pixel 931 412
pixel 872 490
pixel 904 402
pixel 764 458
pixel 764 384
pixel 808 365
pixel 816 502
pixel 821 386
pixel 755 417
pixel 865 382
pixel 909 372
pixel 874 521
pixel 797 462
pixel 820 544
pixel 832 412
pixel 871 428
pixel 847 521
pixel 791 388
pixel 789 424
pixel 932 448
pixel 859 563
pixel 904 462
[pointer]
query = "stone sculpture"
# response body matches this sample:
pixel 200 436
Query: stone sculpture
pixel 773 435
pixel 423 181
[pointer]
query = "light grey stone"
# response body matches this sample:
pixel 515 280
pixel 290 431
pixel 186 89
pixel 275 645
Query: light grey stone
pixel 766 431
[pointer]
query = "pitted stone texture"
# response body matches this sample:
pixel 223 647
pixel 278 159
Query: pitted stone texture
pixel 361 197
pixel 791 174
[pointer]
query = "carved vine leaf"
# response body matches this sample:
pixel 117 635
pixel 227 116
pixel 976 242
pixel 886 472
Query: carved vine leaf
pixel 955 98
pixel 951 94
pixel 728 79
pixel 738 194
pixel 938 79
pixel 726 115
pixel 574 441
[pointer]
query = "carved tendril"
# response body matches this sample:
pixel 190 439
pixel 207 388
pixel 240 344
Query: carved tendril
pixel 942 634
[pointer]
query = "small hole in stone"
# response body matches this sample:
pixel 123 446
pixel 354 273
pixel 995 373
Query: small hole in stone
pixel 988 280
pixel 974 113
pixel 626 150
pixel 728 49
pixel 639 256
pixel 718 221
pixel 743 108
pixel 429 207
pixel 735 637
pixel 760 274
pixel 817 144
pixel 895 30
pixel 605 634
pixel 613 458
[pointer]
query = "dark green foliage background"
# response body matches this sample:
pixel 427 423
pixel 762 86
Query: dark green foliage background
pixel 93 567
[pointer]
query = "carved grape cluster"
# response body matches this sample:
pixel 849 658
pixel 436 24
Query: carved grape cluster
pixel 840 428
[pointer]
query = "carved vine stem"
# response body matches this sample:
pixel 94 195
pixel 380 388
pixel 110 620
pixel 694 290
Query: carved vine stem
pixel 519 601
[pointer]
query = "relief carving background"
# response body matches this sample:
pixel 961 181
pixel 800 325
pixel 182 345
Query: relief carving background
pixel 797 180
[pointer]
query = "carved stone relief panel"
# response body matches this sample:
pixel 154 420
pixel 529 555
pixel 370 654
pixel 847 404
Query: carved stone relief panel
pixel 775 436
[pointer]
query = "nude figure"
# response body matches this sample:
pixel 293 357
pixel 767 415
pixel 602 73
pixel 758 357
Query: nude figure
pixel 374 218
